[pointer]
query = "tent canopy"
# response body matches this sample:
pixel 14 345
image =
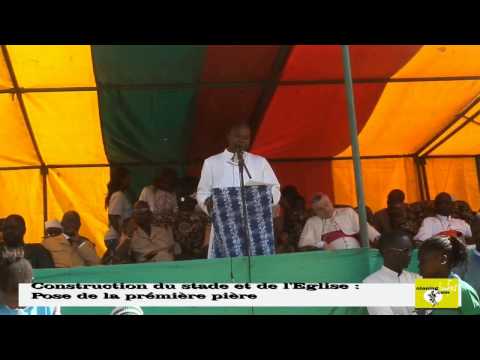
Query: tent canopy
pixel 71 111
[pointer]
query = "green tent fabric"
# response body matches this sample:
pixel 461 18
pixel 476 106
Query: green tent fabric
pixel 133 118
pixel 147 64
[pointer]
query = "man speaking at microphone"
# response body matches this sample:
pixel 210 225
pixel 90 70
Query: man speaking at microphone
pixel 219 195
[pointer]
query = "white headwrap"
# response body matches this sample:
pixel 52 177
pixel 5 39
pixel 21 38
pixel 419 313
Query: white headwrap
pixel 53 224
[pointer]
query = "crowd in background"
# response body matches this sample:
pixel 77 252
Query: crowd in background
pixel 165 224
pixel 398 215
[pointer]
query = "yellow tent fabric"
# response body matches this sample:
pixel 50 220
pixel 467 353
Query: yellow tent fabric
pixel 465 140
pixel 82 190
pixel 64 133
pixel 457 176
pixel 16 148
pixel 379 177
pixel 66 127
pixel 21 193
pixel 442 60
pixel 409 114
pixel 52 66
pixel 5 81
pixel 421 108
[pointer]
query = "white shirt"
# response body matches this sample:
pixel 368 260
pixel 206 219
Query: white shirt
pixel 121 206
pixel 219 171
pixel 386 275
pixel 159 200
pixel 432 226
pixel 344 219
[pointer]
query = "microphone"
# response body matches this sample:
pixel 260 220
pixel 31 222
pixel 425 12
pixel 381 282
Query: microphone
pixel 241 162
pixel 239 154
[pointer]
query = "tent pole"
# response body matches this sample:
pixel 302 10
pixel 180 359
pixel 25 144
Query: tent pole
pixel 452 133
pixel 423 168
pixel 426 146
pixel 352 121
pixel 477 161
pixel 44 174
pixel 420 178
pixel 17 91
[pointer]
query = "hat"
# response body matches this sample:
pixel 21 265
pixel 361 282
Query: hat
pixel 53 224
pixel 127 310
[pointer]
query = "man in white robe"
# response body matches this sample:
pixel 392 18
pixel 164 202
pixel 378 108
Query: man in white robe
pixel 443 223
pixel 332 228
pixel 222 171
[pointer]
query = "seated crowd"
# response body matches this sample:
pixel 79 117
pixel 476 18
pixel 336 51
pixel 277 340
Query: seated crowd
pixel 327 226
pixel 166 224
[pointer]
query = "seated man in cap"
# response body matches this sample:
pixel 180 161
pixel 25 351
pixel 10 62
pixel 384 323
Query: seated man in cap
pixel 67 247
pixel 150 242
pixel 332 228
pixel 443 223
pixel 57 244
pixel 53 228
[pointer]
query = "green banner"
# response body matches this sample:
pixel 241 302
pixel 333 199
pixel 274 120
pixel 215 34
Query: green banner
pixel 349 266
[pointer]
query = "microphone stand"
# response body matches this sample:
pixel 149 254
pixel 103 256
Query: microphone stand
pixel 241 166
